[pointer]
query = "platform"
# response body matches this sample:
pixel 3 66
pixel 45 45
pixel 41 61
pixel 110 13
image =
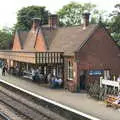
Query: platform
pixel 79 101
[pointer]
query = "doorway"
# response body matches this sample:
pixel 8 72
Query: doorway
pixel 82 79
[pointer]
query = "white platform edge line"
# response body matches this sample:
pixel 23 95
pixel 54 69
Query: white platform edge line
pixel 51 101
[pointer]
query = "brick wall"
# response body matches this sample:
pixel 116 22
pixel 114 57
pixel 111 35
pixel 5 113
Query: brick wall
pixel 100 52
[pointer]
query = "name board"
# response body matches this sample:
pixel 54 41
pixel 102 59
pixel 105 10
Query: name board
pixel 95 72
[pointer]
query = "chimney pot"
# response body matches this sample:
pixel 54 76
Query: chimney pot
pixel 53 21
pixel 86 16
pixel 36 23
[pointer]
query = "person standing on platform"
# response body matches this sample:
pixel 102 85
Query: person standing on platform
pixel 3 70
pixel 33 74
pixel 118 79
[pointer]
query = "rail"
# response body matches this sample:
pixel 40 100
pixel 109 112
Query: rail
pixel 70 112
pixel 3 116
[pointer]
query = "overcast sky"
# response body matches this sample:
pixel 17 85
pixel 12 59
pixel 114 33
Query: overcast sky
pixel 9 8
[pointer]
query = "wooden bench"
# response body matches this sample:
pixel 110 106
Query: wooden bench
pixel 27 75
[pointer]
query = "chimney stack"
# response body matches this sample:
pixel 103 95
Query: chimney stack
pixel 53 21
pixel 86 16
pixel 36 23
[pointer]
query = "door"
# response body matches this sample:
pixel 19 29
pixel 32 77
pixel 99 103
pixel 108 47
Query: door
pixel 82 79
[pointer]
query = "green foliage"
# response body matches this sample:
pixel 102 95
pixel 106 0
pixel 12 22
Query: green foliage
pixel 115 23
pixel 5 39
pixel 71 14
pixel 25 15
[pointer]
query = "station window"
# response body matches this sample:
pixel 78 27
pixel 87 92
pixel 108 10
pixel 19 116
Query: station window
pixel 70 70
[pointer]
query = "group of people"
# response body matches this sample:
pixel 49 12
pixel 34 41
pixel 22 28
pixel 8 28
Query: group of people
pixel 54 82
pixel 36 74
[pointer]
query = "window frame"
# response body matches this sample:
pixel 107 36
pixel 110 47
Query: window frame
pixel 70 70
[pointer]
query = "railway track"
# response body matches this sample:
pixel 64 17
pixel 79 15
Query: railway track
pixel 4 116
pixel 37 107
pixel 25 109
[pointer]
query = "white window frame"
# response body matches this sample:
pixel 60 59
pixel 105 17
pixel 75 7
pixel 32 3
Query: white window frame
pixel 70 70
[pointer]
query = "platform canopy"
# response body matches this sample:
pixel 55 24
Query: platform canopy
pixel 33 57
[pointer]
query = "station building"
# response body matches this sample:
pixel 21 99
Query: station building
pixel 78 54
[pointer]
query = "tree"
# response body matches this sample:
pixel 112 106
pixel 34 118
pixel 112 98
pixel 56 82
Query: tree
pixel 5 39
pixel 25 15
pixel 71 14
pixel 115 21
pixel 114 24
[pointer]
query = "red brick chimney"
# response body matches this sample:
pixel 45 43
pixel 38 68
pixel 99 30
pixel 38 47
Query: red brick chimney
pixel 53 21
pixel 86 16
pixel 36 23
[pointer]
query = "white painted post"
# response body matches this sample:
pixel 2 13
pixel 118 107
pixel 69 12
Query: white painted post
pixel 119 87
pixel 27 67
pixel 114 80
pixel 101 78
pixel 114 77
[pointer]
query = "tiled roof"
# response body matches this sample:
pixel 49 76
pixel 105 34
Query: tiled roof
pixel 70 39
pixel 49 35
pixel 29 44
pixel 22 37
pixel 61 39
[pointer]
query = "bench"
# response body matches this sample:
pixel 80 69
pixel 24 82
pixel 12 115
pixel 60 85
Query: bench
pixel 27 75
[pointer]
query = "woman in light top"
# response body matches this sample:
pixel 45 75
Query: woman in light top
pixel 118 79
